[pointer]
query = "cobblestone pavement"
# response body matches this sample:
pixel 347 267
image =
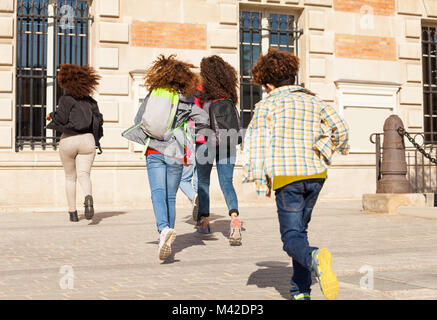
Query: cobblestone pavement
pixel 115 256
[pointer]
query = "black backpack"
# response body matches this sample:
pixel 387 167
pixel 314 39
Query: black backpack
pixel 85 117
pixel 81 117
pixel 223 117
pixel 97 125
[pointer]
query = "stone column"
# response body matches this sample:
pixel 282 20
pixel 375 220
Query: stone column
pixel 394 166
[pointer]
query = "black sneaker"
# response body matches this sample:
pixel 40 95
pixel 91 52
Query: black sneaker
pixel 89 207
pixel 73 216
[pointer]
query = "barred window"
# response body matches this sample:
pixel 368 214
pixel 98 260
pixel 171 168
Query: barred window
pixel 260 30
pixel 49 33
pixel 429 59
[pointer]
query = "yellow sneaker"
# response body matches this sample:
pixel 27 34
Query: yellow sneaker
pixel 322 265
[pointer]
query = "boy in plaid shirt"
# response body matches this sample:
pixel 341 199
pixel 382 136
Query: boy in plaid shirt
pixel 288 147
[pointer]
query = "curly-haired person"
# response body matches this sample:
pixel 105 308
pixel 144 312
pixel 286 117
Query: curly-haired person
pixel 288 148
pixel 219 92
pixel 80 121
pixel 168 79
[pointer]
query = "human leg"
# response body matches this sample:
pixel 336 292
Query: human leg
pixel 68 153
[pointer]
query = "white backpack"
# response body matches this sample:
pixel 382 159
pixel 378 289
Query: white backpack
pixel 159 113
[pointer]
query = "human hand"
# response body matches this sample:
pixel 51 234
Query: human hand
pixel 269 186
pixel 48 118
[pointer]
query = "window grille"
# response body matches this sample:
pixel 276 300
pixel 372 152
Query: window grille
pixel 49 33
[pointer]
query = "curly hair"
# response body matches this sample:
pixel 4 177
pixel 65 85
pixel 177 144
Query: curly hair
pixel 278 68
pixel 172 74
pixel 219 79
pixel 79 81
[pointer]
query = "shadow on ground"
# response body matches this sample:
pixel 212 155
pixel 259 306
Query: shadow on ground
pixel 192 239
pixel 98 217
pixel 216 225
pixel 185 241
pixel 274 274
pixel 212 217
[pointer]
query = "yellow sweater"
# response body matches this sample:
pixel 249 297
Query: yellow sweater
pixel 282 181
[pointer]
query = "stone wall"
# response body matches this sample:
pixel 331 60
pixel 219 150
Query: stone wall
pixel 7 31
pixel 361 56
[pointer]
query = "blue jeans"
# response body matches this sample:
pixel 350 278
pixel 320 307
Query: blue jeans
pixel 225 162
pixel 189 182
pixel 295 203
pixel 164 178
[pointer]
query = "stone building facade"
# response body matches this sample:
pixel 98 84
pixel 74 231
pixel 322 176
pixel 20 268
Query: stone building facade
pixel 365 57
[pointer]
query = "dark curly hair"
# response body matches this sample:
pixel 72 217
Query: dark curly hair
pixel 219 79
pixel 278 68
pixel 79 81
pixel 172 74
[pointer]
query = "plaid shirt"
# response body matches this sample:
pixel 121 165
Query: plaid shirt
pixel 292 133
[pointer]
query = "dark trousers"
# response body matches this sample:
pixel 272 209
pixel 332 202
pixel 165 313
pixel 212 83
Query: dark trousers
pixel 295 203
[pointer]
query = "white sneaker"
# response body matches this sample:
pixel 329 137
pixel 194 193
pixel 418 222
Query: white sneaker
pixel 166 239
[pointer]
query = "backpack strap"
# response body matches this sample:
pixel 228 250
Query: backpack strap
pixel 146 146
pixel 223 99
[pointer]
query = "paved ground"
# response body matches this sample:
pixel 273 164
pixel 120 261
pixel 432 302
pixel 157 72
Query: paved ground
pixel 115 256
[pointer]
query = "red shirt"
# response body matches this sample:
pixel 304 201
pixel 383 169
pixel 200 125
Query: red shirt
pixel 152 151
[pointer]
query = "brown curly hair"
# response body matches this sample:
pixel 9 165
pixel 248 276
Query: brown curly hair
pixel 172 74
pixel 278 68
pixel 219 79
pixel 79 81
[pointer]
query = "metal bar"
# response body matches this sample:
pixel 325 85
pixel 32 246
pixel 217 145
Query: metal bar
pixel 41 81
pixel 408 167
pixel 18 110
pixel 87 31
pixel 416 171
pixel 378 157
pixel 435 190
pixel 76 39
pixel 430 80
pixel 64 38
pixel 430 179
pixel 423 173
pixel 71 49
pixel 278 31
pixel 55 67
pixel 241 69
pixel 44 72
pixel 296 48
pixel 251 61
pixel 31 91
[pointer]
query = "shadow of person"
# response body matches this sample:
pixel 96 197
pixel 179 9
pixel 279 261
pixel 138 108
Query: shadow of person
pixel 185 241
pixel 223 226
pixel 98 217
pixel 212 217
pixel 274 274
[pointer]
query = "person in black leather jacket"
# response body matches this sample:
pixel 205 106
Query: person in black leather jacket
pixel 80 121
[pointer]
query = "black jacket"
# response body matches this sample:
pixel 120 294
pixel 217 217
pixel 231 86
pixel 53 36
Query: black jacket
pixel 65 115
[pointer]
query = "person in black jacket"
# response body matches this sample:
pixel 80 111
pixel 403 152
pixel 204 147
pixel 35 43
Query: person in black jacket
pixel 80 121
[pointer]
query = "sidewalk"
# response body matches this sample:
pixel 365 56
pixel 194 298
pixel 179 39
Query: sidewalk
pixel 114 256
